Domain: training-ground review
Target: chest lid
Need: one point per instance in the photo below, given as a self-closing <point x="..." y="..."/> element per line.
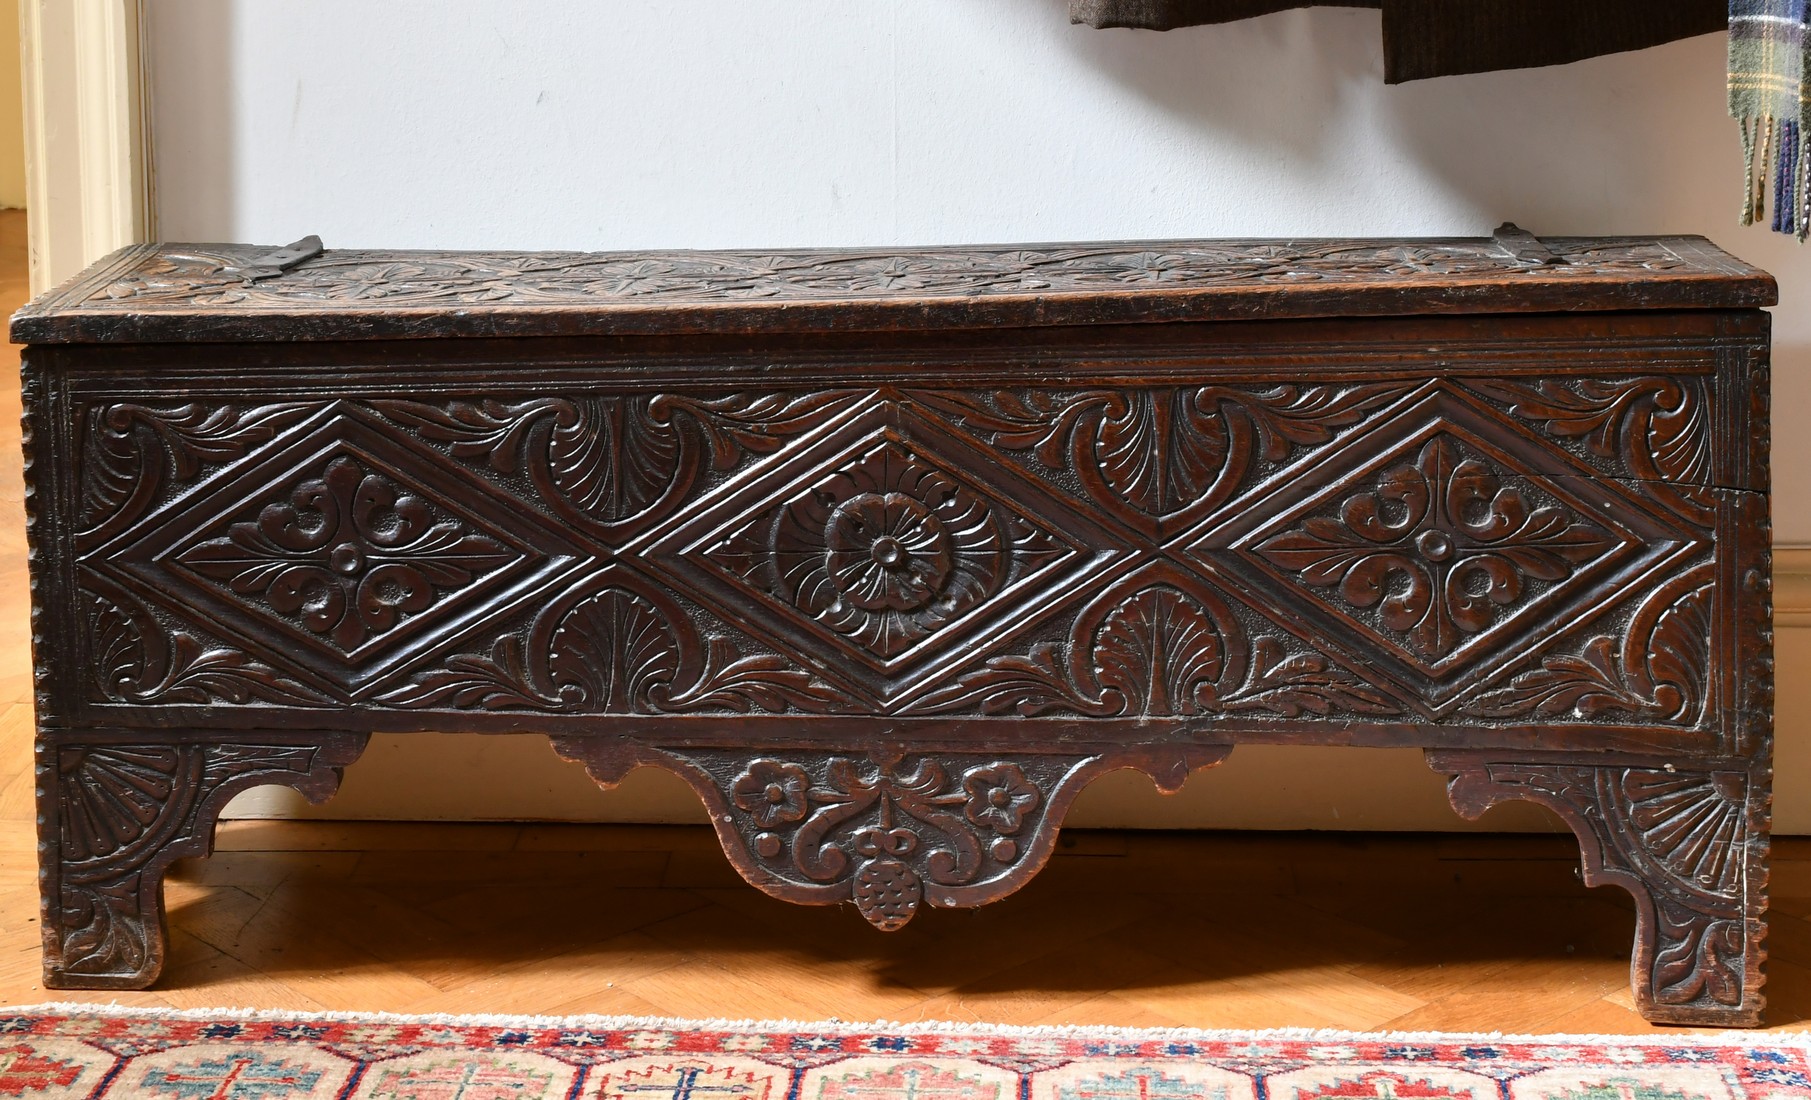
<point x="164" y="293"/>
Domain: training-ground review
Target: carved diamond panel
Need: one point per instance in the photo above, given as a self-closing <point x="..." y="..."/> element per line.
<point x="345" y="550"/>
<point x="1441" y="545"/>
<point x="865" y="552"/>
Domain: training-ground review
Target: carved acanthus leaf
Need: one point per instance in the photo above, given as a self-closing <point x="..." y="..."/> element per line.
<point x="616" y="651"/>
<point x="132" y="450"/>
<point x="1159" y="649"/>
<point x="617" y="461"/>
<point x="1657" y="670"/>
<point x="1163" y="451"/>
<point x="1657" y="428"/>
<point x="136" y="660"/>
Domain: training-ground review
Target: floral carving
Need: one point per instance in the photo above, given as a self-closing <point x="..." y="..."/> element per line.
<point x="136" y="660"/>
<point x="889" y="832"/>
<point x="1438" y="548"/>
<point x="1658" y="669"/>
<point x="1164" y="452"/>
<point x="772" y="793"/>
<point x="616" y="651"/>
<point x="999" y="797"/>
<point x="885" y="550"/>
<point x="1159" y="646"/>
<point x="348" y="555"/>
<point x="344" y="279"/>
<point x="618" y="463"/>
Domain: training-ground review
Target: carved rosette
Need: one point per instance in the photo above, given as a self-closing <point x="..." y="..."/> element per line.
<point x="886" y="550"/>
<point x="888" y="833"/>
<point x="120" y="814"/>
<point x="1690" y="843"/>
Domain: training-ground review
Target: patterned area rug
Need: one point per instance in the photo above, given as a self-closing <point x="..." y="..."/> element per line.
<point x="57" y="1051"/>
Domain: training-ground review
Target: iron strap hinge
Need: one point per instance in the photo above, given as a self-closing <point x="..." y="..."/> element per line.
<point x="272" y="264"/>
<point x="1524" y="247"/>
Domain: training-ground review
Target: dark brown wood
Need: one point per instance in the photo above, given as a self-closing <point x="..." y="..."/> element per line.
<point x="196" y="292"/>
<point x="888" y="582"/>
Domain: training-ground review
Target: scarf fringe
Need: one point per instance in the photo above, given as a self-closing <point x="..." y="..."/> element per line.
<point x="1776" y="148"/>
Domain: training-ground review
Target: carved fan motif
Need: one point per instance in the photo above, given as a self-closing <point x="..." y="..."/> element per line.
<point x="1694" y="825"/>
<point x="111" y="796"/>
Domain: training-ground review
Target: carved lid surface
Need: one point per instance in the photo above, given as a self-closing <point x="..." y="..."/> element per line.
<point x="181" y="293"/>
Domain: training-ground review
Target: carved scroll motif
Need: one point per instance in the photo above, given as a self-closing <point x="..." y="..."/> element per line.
<point x="617" y="464"/>
<point x="1161" y="644"/>
<point x="1656" y="430"/>
<point x="132" y="451"/>
<point x="1684" y="842"/>
<point x="126" y="812"/>
<point x="138" y="660"/>
<point x="1149" y="455"/>
<point x="1658" y="668"/>
<point x="348" y="555"/>
<point x="892" y="833"/>
<point x="1437" y="548"/>
<point x="618" y="649"/>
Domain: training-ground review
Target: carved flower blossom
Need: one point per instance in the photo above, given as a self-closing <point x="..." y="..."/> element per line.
<point x="886" y="550"/>
<point x="999" y="796"/>
<point x="772" y="792"/>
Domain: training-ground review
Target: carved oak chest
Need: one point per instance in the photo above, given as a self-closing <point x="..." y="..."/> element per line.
<point x="888" y="553"/>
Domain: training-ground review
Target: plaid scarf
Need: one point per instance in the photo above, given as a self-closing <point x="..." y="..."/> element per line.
<point x="1770" y="93"/>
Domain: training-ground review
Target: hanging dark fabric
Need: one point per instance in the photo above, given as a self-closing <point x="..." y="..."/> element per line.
<point x="1425" y="38"/>
<point x="1769" y="58"/>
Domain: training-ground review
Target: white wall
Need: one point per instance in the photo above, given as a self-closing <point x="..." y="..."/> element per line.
<point x="573" y="124"/>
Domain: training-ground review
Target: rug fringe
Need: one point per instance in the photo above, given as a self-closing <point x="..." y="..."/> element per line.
<point x="1801" y="1038"/>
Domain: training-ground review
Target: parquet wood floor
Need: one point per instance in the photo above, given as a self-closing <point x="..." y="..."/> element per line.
<point x="1159" y="929"/>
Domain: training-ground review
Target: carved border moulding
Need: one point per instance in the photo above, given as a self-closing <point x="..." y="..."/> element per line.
<point x="1689" y="841"/>
<point x="1446" y="540"/>
<point x="1161" y="643"/>
<point x="893" y="831"/>
<point x="1159" y="459"/>
<point x="615" y="464"/>
<point x="876" y="550"/>
<point x="342" y="551"/>
<point x="117" y="814"/>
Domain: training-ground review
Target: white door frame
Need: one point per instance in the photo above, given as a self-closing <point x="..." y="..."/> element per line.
<point x="89" y="186"/>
